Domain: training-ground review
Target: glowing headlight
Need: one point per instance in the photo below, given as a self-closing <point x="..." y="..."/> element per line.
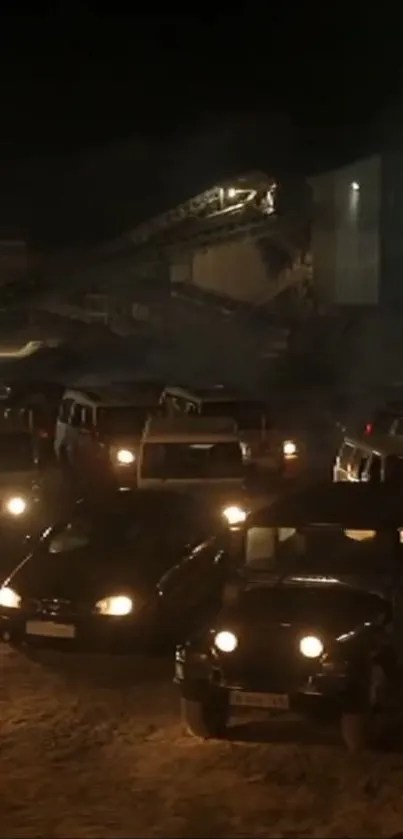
<point x="125" y="457"/>
<point x="16" y="506"/>
<point x="289" y="448"/>
<point x="225" y="641"/>
<point x="311" y="647"/>
<point x="117" y="606"/>
<point x="234" y="515"/>
<point x="9" y="598"/>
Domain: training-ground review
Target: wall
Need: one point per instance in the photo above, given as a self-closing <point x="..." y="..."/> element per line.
<point x="392" y="227"/>
<point x="346" y="234"/>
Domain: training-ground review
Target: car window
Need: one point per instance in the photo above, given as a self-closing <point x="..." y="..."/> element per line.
<point x="74" y="536"/>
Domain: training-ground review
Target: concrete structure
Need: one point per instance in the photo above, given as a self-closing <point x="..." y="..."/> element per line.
<point x="357" y="242"/>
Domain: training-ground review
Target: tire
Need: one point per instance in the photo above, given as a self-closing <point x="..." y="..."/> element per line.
<point x="356" y="726"/>
<point x="353" y="731"/>
<point x="206" y="719"/>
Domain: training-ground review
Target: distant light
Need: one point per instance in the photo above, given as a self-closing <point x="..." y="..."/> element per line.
<point x="231" y="192"/>
<point x="355" y="186"/>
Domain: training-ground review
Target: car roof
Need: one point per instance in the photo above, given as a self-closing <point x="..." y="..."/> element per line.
<point x="132" y="395"/>
<point x="128" y="502"/>
<point x="355" y="505"/>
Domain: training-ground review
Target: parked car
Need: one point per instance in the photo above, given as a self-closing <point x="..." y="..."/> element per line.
<point x="306" y="614"/>
<point x="99" y="577"/>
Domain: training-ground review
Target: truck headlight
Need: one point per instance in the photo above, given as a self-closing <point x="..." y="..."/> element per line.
<point x="125" y="457"/>
<point x="16" y="505"/>
<point x="311" y="646"/>
<point x="119" y="605"/>
<point x="234" y="515"/>
<point x="9" y="598"/>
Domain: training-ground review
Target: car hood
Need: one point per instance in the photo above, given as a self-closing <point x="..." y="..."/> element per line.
<point x="329" y="608"/>
<point x="88" y="574"/>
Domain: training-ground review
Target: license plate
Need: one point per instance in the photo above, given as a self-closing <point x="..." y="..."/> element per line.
<point x="260" y="700"/>
<point x="50" y="629"/>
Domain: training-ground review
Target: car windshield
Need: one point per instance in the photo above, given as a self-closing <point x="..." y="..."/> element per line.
<point x="123" y="419"/>
<point x="317" y="550"/>
<point x="247" y="414"/>
<point x="16" y="452"/>
<point x="134" y="530"/>
<point x="192" y="461"/>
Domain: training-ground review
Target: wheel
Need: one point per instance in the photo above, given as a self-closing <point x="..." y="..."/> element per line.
<point x="353" y="731"/>
<point x="207" y="718"/>
<point x="356" y="725"/>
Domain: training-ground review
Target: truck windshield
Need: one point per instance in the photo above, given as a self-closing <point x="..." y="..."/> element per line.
<point x="247" y="414"/>
<point x="192" y="461"/>
<point x="16" y="452"/>
<point x="127" y="419"/>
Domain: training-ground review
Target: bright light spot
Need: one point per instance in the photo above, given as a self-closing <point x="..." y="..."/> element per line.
<point x="355" y="186"/>
<point x="118" y="606"/>
<point x="125" y="457"/>
<point x="231" y="192"/>
<point x="289" y="448"/>
<point x="360" y="535"/>
<point x="311" y="647"/>
<point x="16" y="506"/>
<point x="234" y="515"/>
<point x="225" y="641"/>
<point x="9" y="598"/>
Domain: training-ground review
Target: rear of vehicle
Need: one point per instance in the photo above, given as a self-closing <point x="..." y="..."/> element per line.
<point x="198" y="455"/>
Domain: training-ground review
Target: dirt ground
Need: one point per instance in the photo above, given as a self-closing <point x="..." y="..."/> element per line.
<point x="92" y="746"/>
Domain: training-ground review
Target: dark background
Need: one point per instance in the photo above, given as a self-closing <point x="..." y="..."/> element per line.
<point x="181" y="101"/>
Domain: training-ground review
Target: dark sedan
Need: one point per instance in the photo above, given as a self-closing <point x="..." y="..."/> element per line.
<point x="305" y="621"/>
<point x="120" y="574"/>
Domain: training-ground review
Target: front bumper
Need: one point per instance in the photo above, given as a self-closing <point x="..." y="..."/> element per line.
<point x="308" y="694"/>
<point x="89" y="631"/>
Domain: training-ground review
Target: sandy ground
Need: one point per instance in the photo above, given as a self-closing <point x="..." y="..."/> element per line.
<point x="92" y="746"/>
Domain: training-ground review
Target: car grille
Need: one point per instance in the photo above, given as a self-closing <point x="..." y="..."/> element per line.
<point x="271" y="662"/>
<point x="55" y="608"/>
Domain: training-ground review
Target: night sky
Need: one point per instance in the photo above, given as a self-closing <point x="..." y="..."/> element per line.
<point x="106" y="120"/>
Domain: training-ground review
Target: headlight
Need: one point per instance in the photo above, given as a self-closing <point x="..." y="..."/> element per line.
<point x="9" y="598"/>
<point x="311" y="646"/>
<point x="234" y="515"/>
<point x="125" y="457"/>
<point x="117" y="606"/>
<point x="226" y="641"/>
<point x="16" y="506"/>
<point x="289" y="448"/>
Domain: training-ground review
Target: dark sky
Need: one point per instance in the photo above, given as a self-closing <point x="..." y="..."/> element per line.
<point x="178" y="100"/>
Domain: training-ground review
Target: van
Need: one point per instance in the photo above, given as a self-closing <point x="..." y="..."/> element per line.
<point x="183" y="453"/>
<point x="262" y="446"/>
<point x="375" y="458"/>
<point x="98" y="432"/>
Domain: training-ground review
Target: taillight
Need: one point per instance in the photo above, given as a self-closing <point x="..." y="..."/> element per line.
<point x="368" y="428"/>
